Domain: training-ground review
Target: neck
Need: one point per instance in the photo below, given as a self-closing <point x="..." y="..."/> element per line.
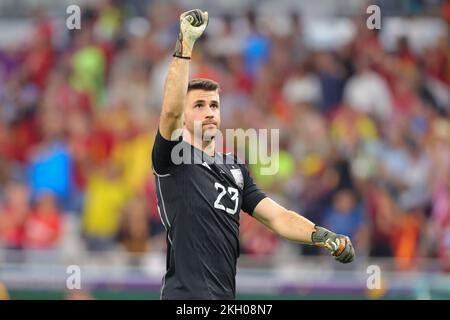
<point x="207" y="147"/>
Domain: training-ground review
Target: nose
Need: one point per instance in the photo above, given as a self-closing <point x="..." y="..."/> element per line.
<point x="209" y="113"/>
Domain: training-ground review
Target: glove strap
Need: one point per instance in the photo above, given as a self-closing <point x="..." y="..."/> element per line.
<point x="180" y="57"/>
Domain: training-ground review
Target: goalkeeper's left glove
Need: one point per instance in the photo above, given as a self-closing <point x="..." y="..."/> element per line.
<point x="339" y="245"/>
<point x="192" y="25"/>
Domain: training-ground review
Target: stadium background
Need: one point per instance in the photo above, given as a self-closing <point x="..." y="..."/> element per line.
<point x="364" y="119"/>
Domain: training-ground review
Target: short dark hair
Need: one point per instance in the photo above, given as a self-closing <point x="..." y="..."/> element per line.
<point x="203" y="84"/>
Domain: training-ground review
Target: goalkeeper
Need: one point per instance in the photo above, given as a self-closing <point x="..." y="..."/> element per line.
<point x="199" y="204"/>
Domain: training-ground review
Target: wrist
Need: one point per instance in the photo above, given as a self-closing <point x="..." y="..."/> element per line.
<point x="320" y="235"/>
<point x="183" y="49"/>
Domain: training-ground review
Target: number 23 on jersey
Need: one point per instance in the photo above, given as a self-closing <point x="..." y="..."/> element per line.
<point x="234" y="195"/>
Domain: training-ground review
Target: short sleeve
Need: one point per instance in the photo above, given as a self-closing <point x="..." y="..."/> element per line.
<point x="252" y="194"/>
<point x="161" y="154"/>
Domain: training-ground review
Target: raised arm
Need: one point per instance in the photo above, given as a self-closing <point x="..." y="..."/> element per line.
<point x="192" y="25"/>
<point x="292" y="226"/>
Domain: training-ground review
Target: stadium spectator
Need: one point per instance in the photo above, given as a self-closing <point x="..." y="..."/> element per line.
<point x="14" y="211"/>
<point x="347" y="215"/>
<point x="106" y="196"/>
<point x="43" y="226"/>
<point x="367" y="92"/>
<point x="135" y="224"/>
<point x="50" y="164"/>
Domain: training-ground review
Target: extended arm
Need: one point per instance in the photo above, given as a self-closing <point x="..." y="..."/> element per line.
<point x="293" y="226"/>
<point x="192" y="25"/>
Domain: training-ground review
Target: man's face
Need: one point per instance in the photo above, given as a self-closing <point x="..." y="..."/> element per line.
<point x="202" y="114"/>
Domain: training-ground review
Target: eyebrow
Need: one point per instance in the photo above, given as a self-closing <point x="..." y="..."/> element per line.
<point x="203" y="101"/>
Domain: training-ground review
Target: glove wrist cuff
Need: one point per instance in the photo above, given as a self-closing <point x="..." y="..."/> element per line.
<point x="320" y="235"/>
<point x="182" y="49"/>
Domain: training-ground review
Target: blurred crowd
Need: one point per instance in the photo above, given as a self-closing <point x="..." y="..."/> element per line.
<point x="364" y="132"/>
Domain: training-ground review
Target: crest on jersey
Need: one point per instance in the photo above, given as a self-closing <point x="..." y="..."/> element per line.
<point x="237" y="175"/>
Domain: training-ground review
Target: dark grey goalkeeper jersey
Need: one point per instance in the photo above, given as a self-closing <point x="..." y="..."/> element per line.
<point x="199" y="202"/>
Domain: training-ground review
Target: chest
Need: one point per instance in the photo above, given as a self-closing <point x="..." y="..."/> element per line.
<point x="217" y="188"/>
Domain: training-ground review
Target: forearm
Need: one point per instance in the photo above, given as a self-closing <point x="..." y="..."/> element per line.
<point x="175" y="88"/>
<point x="174" y="98"/>
<point x="292" y="226"/>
